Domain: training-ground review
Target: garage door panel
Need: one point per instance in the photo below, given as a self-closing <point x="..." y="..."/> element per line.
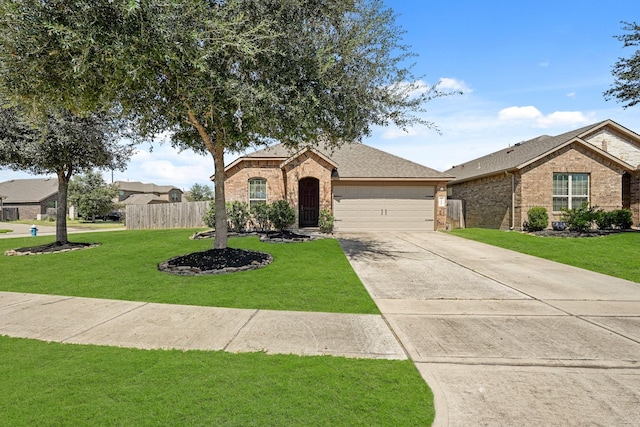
<point x="384" y="207"/>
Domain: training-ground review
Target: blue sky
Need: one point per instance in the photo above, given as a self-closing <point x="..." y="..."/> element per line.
<point x="526" y="69"/>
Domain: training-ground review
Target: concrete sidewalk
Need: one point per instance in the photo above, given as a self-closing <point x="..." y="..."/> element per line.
<point x="504" y="338"/>
<point x="165" y="326"/>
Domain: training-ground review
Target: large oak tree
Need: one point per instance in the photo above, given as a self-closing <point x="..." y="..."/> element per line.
<point x="219" y="75"/>
<point x="626" y="71"/>
<point x="63" y="144"/>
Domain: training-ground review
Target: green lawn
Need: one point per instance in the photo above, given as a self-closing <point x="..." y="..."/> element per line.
<point x="65" y="384"/>
<point x="615" y="255"/>
<point x="75" y="223"/>
<point x="51" y="384"/>
<point x="307" y="276"/>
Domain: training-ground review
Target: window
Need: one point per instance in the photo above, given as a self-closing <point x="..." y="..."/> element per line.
<point x="257" y="191"/>
<point x="175" y="196"/>
<point x="570" y="191"/>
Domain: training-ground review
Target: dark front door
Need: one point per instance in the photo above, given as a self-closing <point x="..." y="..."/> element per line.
<point x="308" y="202"/>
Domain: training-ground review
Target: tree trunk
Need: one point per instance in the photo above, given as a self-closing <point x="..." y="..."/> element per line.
<point x="61" y="211"/>
<point x="220" y="199"/>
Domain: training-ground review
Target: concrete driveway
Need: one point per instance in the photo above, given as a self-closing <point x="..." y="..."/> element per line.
<point x="503" y="338"/>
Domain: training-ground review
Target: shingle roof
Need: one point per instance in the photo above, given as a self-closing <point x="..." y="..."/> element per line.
<point x="142" y="187"/>
<point x="357" y="160"/>
<point x="516" y="155"/>
<point x="142" y="199"/>
<point x="28" y="190"/>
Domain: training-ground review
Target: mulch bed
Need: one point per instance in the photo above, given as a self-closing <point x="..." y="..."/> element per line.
<point x="51" y="248"/>
<point x="216" y="261"/>
<point x="574" y="234"/>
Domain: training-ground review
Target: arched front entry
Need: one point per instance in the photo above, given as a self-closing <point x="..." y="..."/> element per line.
<point x="308" y="202"/>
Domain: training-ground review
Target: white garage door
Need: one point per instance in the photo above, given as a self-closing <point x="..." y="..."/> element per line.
<point x="364" y="208"/>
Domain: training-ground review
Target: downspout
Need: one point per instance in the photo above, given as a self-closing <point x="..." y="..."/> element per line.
<point x="513" y="199"/>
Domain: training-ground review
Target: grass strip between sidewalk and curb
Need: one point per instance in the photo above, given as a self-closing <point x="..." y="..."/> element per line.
<point x="304" y="276"/>
<point x="66" y="384"/>
<point x="614" y="255"/>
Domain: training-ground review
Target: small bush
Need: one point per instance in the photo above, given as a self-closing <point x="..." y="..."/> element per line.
<point x="260" y="216"/>
<point x="210" y="217"/>
<point x="605" y="220"/>
<point x="281" y="215"/>
<point x="622" y="218"/>
<point x="580" y="219"/>
<point x="237" y="216"/>
<point x="325" y="221"/>
<point x="538" y="218"/>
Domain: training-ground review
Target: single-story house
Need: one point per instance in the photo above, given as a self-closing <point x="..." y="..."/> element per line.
<point x="365" y="188"/>
<point x="28" y="198"/>
<point x="597" y="164"/>
<point x="138" y="193"/>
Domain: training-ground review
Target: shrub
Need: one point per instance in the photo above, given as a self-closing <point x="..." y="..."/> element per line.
<point x="260" y="216"/>
<point x="605" y="220"/>
<point x="622" y="218"/>
<point x="210" y="217"/>
<point x="281" y="215"/>
<point x="538" y="218"/>
<point x="237" y="216"/>
<point x="582" y="218"/>
<point x="325" y="221"/>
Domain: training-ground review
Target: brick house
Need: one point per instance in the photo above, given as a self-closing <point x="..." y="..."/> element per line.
<point x="365" y="188"/>
<point x="28" y="198"/>
<point x="597" y="164"/>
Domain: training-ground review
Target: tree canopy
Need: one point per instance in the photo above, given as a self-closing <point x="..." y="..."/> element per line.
<point x="219" y="75"/>
<point x="91" y="195"/>
<point x="199" y="192"/>
<point x="626" y="71"/>
<point x="62" y="144"/>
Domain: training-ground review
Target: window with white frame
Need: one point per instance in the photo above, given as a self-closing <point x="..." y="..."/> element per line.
<point x="570" y="190"/>
<point x="257" y="191"/>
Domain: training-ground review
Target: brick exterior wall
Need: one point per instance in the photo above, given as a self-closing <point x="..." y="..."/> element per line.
<point x="488" y="200"/>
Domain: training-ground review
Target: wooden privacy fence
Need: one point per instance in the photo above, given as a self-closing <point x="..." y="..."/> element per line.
<point x="166" y="215"/>
<point x="455" y="214"/>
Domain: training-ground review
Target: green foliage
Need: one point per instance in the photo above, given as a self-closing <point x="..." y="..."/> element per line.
<point x="91" y="195"/>
<point x="325" y="221"/>
<point x="199" y="193"/>
<point x="237" y="216"/>
<point x="210" y="217"/>
<point x="260" y="216"/>
<point x="626" y="71"/>
<point x="620" y="218"/>
<point x="580" y="219"/>
<point x="281" y="214"/>
<point x="538" y="218"/>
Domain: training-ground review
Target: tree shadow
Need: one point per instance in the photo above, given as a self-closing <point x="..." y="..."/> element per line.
<point x="361" y="249"/>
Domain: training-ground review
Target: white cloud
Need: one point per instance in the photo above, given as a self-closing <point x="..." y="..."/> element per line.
<point x="544" y="64"/>
<point x="447" y="83"/>
<point x="536" y="118"/>
<point x="571" y="94"/>
<point x="520" y="113"/>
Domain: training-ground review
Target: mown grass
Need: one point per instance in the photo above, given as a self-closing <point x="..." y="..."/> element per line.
<point x="306" y="276"/>
<point x="49" y="384"/>
<point x="75" y="223"/>
<point x="615" y="255"/>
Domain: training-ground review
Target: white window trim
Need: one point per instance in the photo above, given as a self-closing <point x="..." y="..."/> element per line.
<point x="255" y="200"/>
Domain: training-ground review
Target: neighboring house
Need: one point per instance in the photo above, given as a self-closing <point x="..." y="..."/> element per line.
<point x="28" y="198"/>
<point x="597" y="164"/>
<point x="138" y="193"/>
<point x="364" y="188"/>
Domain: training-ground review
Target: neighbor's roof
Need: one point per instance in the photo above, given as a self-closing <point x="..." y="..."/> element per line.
<point x="141" y="187"/>
<point x="521" y="154"/>
<point x="142" y="199"/>
<point x="28" y="190"/>
<point x="357" y="160"/>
